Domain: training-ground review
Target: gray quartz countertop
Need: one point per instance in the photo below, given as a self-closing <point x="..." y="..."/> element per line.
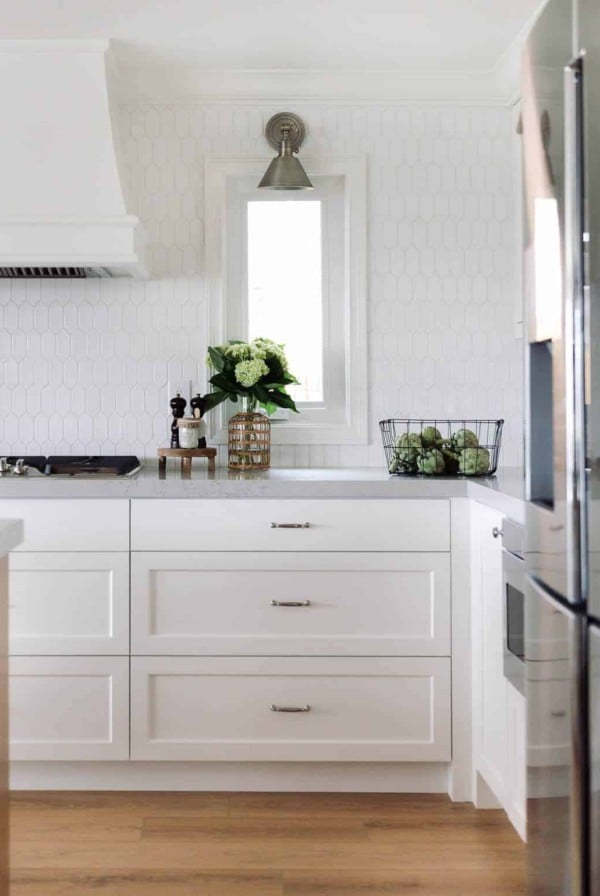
<point x="11" y="535"/>
<point x="504" y="490"/>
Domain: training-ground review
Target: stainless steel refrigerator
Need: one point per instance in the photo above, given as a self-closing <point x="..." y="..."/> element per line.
<point x="561" y="154"/>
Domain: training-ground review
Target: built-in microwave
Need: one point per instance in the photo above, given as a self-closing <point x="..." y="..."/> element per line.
<point x="513" y="570"/>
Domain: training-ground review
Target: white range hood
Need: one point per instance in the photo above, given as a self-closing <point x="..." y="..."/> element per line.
<point x="62" y="207"/>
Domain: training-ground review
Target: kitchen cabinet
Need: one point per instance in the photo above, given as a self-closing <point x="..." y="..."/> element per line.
<point x="69" y="630"/>
<point x="365" y="643"/>
<point x="69" y="603"/>
<point x="69" y="707"/>
<point x="71" y="524"/>
<point x="498" y="709"/>
<point x="302" y="604"/>
<point x="290" y="525"/>
<point x="326" y="709"/>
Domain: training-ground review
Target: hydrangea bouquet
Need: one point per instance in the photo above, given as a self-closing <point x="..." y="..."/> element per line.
<point x="257" y="371"/>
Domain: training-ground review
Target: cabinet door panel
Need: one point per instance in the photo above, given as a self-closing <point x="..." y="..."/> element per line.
<point x="359" y="604"/>
<point x="69" y="708"/>
<point x="347" y="709"/>
<point x="64" y="604"/>
<point x="71" y="524"/>
<point x="333" y="525"/>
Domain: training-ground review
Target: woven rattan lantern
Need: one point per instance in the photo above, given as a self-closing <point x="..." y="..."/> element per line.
<point x="249" y="441"/>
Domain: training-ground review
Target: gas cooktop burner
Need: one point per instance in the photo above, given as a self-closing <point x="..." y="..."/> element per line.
<point x="69" y="465"/>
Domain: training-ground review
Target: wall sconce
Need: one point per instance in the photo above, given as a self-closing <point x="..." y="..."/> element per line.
<point x="286" y="133"/>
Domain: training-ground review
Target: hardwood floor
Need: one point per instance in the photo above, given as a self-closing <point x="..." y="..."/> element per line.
<point x="244" y="844"/>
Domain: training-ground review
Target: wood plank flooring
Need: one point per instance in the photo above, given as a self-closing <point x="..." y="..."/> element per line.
<point x="259" y="844"/>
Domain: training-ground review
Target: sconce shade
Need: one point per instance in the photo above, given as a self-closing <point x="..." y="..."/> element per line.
<point x="285" y="173"/>
<point x="286" y="132"/>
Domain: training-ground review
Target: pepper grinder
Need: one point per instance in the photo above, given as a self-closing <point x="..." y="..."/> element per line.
<point x="197" y="405"/>
<point x="178" y="410"/>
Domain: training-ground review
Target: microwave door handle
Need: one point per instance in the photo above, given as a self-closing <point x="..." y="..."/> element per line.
<point x="574" y="341"/>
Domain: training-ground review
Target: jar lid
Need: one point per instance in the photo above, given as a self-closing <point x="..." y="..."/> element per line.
<point x="184" y="422"/>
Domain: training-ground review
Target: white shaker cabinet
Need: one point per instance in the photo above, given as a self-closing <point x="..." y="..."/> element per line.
<point x="341" y="606"/>
<point x="498" y="709"/>
<point x="69" y="708"/>
<point x="67" y="603"/>
<point x="309" y="709"/>
<point x="281" y="604"/>
<point x="290" y="525"/>
<point x="69" y="630"/>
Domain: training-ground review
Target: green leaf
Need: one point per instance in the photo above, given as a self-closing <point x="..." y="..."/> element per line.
<point x="222" y="381"/>
<point x="213" y="399"/>
<point x="283" y="400"/>
<point x="216" y="358"/>
<point x="261" y="392"/>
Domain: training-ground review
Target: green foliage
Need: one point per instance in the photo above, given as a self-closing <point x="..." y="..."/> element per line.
<point x="257" y="370"/>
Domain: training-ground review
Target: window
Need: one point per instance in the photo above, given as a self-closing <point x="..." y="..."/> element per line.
<point x="285" y="237"/>
<point x="282" y="266"/>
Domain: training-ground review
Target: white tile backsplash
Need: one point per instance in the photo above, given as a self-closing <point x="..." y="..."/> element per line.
<point x="84" y="365"/>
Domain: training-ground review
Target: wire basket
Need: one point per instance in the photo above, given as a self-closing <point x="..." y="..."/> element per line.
<point x="441" y="447"/>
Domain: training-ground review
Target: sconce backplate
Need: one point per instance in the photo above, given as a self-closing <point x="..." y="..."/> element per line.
<point x="277" y="124"/>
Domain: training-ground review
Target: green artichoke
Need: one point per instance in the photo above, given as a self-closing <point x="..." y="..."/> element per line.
<point x="408" y="447"/>
<point x="431" y="462"/>
<point x="431" y="437"/>
<point x="465" y="438"/>
<point x="474" y="461"/>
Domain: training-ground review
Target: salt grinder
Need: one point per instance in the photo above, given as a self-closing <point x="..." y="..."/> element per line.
<point x="178" y="410"/>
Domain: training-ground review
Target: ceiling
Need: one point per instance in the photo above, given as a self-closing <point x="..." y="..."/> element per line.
<point x="284" y="34"/>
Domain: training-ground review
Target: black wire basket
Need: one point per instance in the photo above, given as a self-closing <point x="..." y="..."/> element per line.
<point x="441" y="447"/>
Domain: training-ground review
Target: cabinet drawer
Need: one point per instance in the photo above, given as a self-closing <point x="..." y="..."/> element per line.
<point x="358" y="604"/>
<point x="71" y="524"/>
<point x="69" y="707"/>
<point x="387" y="710"/>
<point x="63" y="603"/>
<point x="333" y="525"/>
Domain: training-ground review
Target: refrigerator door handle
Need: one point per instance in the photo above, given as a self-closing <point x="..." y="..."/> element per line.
<point x="574" y="329"/>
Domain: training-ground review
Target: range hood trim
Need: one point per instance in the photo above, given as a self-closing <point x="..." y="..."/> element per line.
<point x="40" y="242"/>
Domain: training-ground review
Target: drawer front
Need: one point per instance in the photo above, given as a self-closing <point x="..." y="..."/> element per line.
<point x="243" y="604"/>
<point x="390" y="710"/>
<point x="64" y="604"/>
<point x="69" y="708"/>
<point x="333" y="525"/>
<point x="71" y="524"/>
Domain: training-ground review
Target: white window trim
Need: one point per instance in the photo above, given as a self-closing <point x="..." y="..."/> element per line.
<point x="353" y="430"/>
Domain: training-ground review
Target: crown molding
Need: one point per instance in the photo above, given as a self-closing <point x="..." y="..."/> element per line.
<point x="185" y="84"/>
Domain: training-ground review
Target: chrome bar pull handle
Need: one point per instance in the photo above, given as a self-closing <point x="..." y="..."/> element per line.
<point x="290" y="603"/>
<point x="289" y="525"/>
<point x="275" y="708"/>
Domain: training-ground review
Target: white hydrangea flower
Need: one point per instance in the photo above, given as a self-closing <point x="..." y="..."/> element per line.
<point x="248" y="373"/>
<point x="239" y="351"/>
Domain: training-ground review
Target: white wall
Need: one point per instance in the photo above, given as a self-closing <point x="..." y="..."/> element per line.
<point x="84" y="366"/>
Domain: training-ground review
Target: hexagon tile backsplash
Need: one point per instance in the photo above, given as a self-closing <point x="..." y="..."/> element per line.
<point x="85" y="365"/>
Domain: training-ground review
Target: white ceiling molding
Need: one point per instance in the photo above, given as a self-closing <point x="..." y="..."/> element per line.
<point x="507" y="70"/>
<point x="185" y="84"/>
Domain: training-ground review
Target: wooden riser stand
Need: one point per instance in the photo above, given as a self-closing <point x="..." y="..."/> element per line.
<point x="186" y="455"/>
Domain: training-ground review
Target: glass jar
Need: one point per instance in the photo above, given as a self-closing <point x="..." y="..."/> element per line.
<point x="191" y="430"/>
